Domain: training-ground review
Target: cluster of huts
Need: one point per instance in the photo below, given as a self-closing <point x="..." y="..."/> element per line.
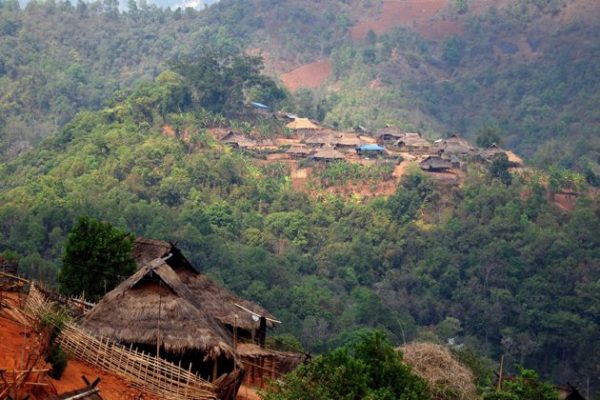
<point x="313" y="141"/>
<point x="171" y="310"/>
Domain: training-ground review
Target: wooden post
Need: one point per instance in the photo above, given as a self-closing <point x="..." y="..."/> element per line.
<point x="215" y="369"/>
<point x="501" y="372"/>
<point x="262" y="331"/>
<point x="235" y="332"/>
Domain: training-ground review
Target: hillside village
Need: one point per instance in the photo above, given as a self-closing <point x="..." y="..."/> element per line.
<point x="306" y="141"/>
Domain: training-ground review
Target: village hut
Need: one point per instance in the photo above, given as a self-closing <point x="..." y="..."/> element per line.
<point x="454" y="145"/>
<point x="435" y="164"/>
<point x="303" y="127"/>
<point x="345" y="141"/>
<point x="388" y="136"/>
<point x="154" y="311"/>
<point x="328" y="155"/>
<point x="266" y="145"/>
<point x="370" y="150"/>
<point x="298" y="151"/>
<point x="244" y="320"/>
<point x="237" y="141"/>
<point x="489" y="153"/>
<point x="414" y="143"/>
<point x="318" y="141"/>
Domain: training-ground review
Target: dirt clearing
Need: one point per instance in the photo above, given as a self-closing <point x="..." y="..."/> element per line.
<point x="396" y="13"/>
<point x="310" y="76"/>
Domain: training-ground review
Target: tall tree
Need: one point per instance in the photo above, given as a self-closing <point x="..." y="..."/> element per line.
<point x="97" y="257"/>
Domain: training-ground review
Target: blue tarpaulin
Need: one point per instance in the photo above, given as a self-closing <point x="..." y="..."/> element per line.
<point x="370" y="147"/>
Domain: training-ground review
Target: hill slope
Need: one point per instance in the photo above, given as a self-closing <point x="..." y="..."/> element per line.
<point x="497" y="267"/>
<point x="528" y="69"/>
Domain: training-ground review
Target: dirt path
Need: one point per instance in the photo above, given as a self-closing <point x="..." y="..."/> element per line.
<point x="399" y="170"/>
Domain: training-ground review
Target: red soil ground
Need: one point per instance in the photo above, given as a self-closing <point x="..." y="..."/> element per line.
<point x="111" y="387"/>
<point x="438" y="30"/>
<point x="310" y="76"/>
<point x="398" y="12"/>
<point x="17" y="341"/>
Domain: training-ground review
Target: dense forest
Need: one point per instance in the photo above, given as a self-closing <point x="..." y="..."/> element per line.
<point x="493" y="265"/>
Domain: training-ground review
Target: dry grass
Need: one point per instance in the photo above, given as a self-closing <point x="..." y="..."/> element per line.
<point x="447" y="379"/>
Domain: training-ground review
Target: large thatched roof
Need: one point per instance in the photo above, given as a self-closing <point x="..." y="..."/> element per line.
<point x="155" y="304"/>
<point x="213" y="299"/>
<point x="222" y="304"/>
<point x="302" y="123"/>
<point x="328" y="154"/>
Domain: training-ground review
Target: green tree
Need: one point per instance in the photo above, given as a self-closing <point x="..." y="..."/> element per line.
<point x="97" y="257"/>
<point x="222" y="81"/>
<point x="487" y="136"/>
<point x="367" y="369"/>
<point x="525" y="386"/>
<point x="499" y="168"/>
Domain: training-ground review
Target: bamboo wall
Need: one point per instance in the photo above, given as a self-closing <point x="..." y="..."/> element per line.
<point x="146" y="372"/>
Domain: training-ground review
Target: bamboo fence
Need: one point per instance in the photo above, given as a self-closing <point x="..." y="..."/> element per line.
<point x="147" y="372"/>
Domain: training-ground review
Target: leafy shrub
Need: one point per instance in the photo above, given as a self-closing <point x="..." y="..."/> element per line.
<point x="58" y="359"/>
<point x="367" y="369"/>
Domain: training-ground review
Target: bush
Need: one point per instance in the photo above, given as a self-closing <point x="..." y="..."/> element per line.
<point x="367" y="369"/>
<point x="284" y="342"/>
<point x="58" y="359"/>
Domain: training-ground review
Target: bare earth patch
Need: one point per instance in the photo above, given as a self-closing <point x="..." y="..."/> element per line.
<point x="309" y="76"/>
<point x="396" y="13"/>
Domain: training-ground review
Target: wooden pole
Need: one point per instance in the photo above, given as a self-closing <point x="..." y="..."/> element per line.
<point x="499" y="388"/>
<point x="235" y="332"/>
<point x="215" y="369"/>
<point x="158" y="322"/>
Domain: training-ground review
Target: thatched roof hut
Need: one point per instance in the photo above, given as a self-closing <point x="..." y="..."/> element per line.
<point x="413" y="142"/>
<point x="302" y="124"/>
<point x="454" y="145"/>
<point x="346" y="140"/>
<point x="298" y="150"/>
<point x="154" y="307"/>
<point x="328" y="155"/>
<point x="213" y="299"/>
<point x="237" y="140"/>
<point x="435" y="164"/>
<point x="322" y="138"/>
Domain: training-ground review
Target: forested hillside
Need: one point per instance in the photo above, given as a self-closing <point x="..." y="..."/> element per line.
<point x="497" y="267"/>
<point x="527" y="69"/>
<point x="113" y="115"/>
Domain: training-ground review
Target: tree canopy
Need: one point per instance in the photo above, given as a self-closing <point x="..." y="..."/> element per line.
<point x="369" y="368"/>
<point x="97" y="257"/>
